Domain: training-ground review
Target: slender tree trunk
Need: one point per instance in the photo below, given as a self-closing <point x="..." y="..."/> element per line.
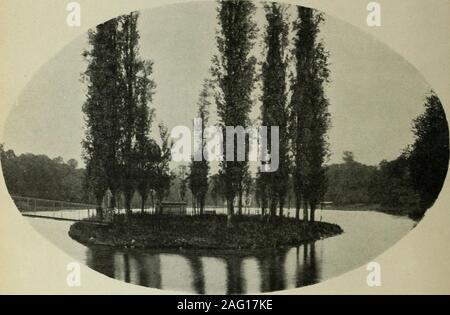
<point x="128" y="211"/>
<point x="113" y="203"/>
<point x="144" y="199"/>
<point x="202" y="205"/>
<point x="126" y="267"/>
<point x="281" y="207"/>
<point x="152" y="201"/>
<point x="305" y="211"/>
<point x="263" y="206"/>
<point x="99" y="209"/>
<point x="298" y="203"/>
<point x="313" y="212"/>
<point x="240" y="202"/>
<point x="273" y="207"/>
<point x="230" y="211"/>
<point x="158" y="210"/>
<point x="99" y="212"/>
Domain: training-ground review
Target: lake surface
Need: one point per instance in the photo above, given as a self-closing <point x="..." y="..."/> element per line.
<point x="367" y="234"/>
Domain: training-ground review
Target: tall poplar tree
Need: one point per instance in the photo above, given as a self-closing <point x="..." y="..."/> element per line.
<point x="117" y="147"/>
<point x="102" y="111"/>
<point x="309" y="112"/>
<point x="138" y="89"/>
<point x="274" y="110"/>
<point x="234" y="71"/>
<point x="161" y="185"/>
<point x="199" y="170"/>
<point x="146" y="149"/>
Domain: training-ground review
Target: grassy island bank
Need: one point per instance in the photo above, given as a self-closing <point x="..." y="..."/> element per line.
<point x="201" y="232"/>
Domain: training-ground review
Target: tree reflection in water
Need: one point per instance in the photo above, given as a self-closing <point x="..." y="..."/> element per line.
<point x="271" y="265"/>
<point x="198" y="274"/>
<point x="307" y="271"/>
<point x="235" y="281"/>
<point x="144" y="267"/>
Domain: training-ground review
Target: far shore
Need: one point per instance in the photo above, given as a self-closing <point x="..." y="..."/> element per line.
<point x="375" y="207"/>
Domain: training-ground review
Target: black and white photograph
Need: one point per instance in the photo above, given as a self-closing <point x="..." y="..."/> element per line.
<point x="226" y="147"/>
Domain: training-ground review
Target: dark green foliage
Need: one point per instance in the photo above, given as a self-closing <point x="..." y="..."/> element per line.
<point x="118" y="152"/>
<point x="102" y="110"/>
<point x="429" y="154"/>
<point x="138" y="90"/>
<point x="274" y="111"/>
<point x="182" y="176"/>
<point x="309" y="111"/>
<point x="217" y="193"/>
<point x="412" y="182"/>
<point x="39" y="176"/>
<point x="234" y="72"/>
<point x="164" y="177"/>
<point x="147" y="151"/>
<point x="407" y="185"/>
<point x="352" y="182"/>
<point x="396" y="192"/>
<point x="199" y="170"/>
<point x="149" y="154"/>
<point x="198" y="184"/>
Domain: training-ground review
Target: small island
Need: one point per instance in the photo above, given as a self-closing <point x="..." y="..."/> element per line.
<point x="201" y="232"/>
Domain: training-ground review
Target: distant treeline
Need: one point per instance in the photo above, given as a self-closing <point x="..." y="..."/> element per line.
<point x="42" y="177"/>
<point x="387" y="187"/>
<point x="409" y="184"/>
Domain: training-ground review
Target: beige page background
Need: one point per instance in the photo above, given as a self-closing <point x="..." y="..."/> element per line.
<point x="31" y="32"/>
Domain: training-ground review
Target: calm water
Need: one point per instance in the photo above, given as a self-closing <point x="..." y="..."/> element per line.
<point x="367" y="234"/>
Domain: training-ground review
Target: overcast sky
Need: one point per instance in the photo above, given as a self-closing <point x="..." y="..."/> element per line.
<point x="374" y="93"/>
